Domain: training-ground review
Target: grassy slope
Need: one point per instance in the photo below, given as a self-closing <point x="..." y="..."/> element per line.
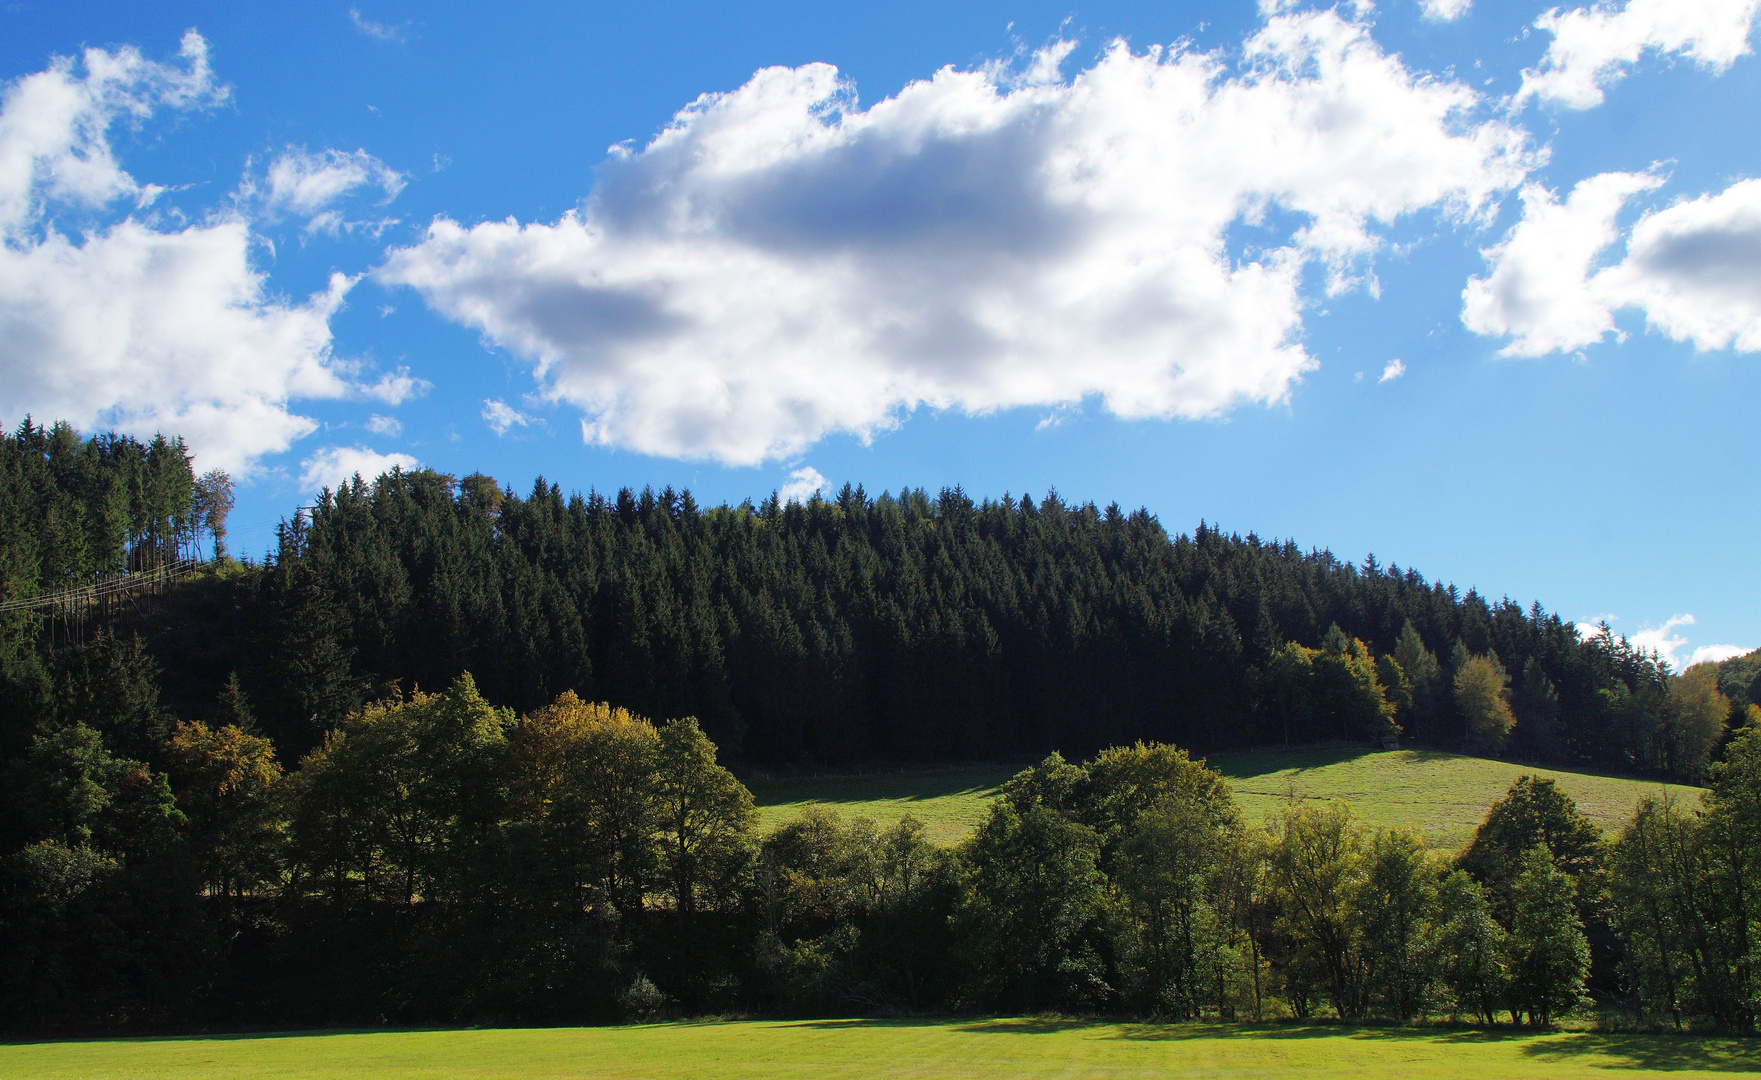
<point x="856" y="1048"/>
<point x="1446" y="795"/>
<point x="949" y="802"/>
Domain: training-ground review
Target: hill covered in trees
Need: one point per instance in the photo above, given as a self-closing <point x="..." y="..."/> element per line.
<point x="903" y="628"/>
<point x="238" y="806"/>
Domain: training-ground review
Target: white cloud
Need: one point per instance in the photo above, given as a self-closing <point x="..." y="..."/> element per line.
<point x="1716" y="653"/>
<point x="335" y="466"/>
<point x="385" y="425"/>
<point x="1540" y="290"/>
<point x="804" y="483"/>
<point x="500" y="416"/>
<point x="144" y="331"/>
<point x="52" y="127"/>
<point x="1668" y="644"/>
<point x="1693" y="268"/>
<point x="1395" y="369"/>
<point x="780" y="264"/>
<point x="379" y="31"/>
<point x="299" y="183"/>
<point x="1445" y="10"/>
<point x="131" y="324"/>
<point x="1663" y="640"/>
<point x="397" y="387"/>
<point x="1592" y="48"/>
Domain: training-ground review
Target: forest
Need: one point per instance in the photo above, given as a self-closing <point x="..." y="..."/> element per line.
<point x="402" y="769"/>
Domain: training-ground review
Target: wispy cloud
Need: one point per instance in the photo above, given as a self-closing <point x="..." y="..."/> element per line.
<point x="1444" y="10"/>
<point x="379" y="31"/>
<point x="397" y="387"/>
<point x="1395" y="369"/>
<point x="500" y="416"/>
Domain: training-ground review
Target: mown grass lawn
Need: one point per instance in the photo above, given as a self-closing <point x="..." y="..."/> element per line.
<point x="903" y="1049"/>
<point x="1445" y="795"/>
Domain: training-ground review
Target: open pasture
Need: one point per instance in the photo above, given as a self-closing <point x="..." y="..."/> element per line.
<point x="949" y="802"/>
<point x="918" y="1050"/>
<point x="1443" y="794"/>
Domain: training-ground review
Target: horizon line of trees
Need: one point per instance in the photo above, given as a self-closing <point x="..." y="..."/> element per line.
<point x="832" y="631"/>
<point x="437" y="859"/>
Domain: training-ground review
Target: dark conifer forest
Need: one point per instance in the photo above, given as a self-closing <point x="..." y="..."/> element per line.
<point x="450" y="753"/>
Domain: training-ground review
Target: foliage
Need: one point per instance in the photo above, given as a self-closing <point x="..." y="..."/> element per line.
<point x="1547" y="956"/>
<point x="1482" y="698"/>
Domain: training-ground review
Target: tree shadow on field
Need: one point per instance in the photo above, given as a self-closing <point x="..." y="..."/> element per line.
<point x="1182" y="1031"/>
<point x="1662" y="1053"/>
<point x="978" y="781"/>
<point x="220" y="1036"/>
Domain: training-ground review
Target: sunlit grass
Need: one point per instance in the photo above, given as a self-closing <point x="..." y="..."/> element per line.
<point x="888" y="1049"/>
<point x="949" y="802"/>
<point x="1445" y="795"/>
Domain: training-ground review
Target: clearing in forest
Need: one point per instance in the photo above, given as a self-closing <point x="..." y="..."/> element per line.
<point x="914" y="1049"/>
<point x="1445" y="795"/>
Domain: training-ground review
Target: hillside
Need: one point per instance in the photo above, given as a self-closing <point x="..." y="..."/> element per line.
<point x="1443" y="794"/>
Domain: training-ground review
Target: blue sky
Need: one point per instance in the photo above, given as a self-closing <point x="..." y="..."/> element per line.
<point x="1472" y="287"/>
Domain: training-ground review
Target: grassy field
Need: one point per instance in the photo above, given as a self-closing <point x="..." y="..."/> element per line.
<point x="827" y="1050"/>
<point x="949" y="802"/>
<point x="1446" y="795"/>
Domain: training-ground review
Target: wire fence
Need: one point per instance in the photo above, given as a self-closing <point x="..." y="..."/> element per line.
<point x="68" y="611"/>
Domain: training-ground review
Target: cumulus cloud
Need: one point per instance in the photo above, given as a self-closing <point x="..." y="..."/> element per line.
<point x="780" y="264"/>
<point x="1593" y="47"/>
<point x="1541" y="290"/>
<point x="1394" y="370"/>
<point x="1693" y="268"/>
<point x="500" y="416"/>
<point x="385" y="425"/>
<point x="335" y="466"/>
<point x="133" y="325"/>
<point x="804" y="483"/>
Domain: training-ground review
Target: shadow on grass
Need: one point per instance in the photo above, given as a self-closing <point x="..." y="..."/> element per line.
<point x="1662" y="1053"/>
<point x="1247" y="765"/>
<point x="980" y="781"/>
<point x="219" y="1036"/>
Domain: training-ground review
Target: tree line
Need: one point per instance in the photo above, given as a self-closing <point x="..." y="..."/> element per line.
<point x="908" y="629"/>
<point x="835" y="631"/>
<point x="249" y="806"/>
<point x="438" y="859"/>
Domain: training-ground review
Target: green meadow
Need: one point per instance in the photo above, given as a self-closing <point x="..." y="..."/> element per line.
<point x="949" y="802"/>
<point x="1445" y="795"/>
<point x="827" y="1050"/>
